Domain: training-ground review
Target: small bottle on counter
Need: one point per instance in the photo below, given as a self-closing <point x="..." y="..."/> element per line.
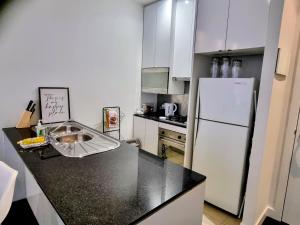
<point x="40" y="129"/>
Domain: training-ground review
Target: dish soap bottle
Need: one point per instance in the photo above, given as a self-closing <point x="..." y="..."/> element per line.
<point x="40" y="129"/>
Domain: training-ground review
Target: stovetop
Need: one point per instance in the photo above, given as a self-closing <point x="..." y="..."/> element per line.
<point x="175" y="120"/>
<point x="179" y="119"/>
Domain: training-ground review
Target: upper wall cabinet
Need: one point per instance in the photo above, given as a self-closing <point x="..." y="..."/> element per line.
<point x="231" y="25"/>
<point x="211" y="25"/>
<point x="183" y="39"/>
<point x="247" y="24"/>
<point x="157" y="34"/>
<point x="149" y="37"/>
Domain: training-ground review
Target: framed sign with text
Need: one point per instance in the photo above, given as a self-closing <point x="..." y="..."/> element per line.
<point x="54" y="104"/>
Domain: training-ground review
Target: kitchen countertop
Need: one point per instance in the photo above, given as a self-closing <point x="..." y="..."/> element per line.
<point x="121" y="186"/>
<point x="156" y="118"/>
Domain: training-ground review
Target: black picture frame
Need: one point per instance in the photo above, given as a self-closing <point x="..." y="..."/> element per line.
<point x="116" y="129"/>
<point x="68" y="102"/>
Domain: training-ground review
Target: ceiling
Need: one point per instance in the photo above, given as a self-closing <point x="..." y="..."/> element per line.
<point x="145" y="2"/>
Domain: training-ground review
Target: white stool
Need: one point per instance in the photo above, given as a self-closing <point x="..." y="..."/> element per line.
<point x="8" y="178"/>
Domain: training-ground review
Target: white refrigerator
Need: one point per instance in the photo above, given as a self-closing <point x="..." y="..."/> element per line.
<point x="222" y="130"/>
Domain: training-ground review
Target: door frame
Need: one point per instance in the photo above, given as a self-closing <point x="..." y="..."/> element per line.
<point x="285" y="156"/>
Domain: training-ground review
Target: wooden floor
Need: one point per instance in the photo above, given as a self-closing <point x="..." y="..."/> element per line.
<point x="215" y="216"/>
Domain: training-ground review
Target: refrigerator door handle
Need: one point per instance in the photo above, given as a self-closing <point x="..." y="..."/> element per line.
<point x="197" y="129"/>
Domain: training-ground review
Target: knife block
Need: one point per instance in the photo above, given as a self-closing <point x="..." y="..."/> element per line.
<point x="24" y="121"/>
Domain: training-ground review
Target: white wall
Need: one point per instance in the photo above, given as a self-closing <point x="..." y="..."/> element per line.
<point x="92" y="46"/>
<point x="290" y="110"/>
<point x="261" y="159"/>
<point x="263" y="183"/>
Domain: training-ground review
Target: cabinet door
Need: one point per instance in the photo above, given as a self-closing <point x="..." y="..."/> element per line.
<point x="163" y="33"/>
<point x="183" y="39"/>
<point x="149" y="35"/>
<point x="211" y="25"/>
<point x="139" y="127"/>
<point x="151" y="138"/>
<point x="247" y="24"/>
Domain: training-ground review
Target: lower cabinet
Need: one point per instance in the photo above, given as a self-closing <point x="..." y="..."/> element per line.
<point x="147" y="132"/>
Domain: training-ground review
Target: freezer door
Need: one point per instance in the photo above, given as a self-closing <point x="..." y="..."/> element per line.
<point x="227" y="100"/>
<point x="220" y="154"/>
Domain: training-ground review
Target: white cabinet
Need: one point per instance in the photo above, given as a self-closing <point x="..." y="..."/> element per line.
<point x="211" y="25"/>
<point x="247" y="24"/>
<point x="231" y="25"/>
<point x="163" y="33"/>
<point x="183" y="39"/>
<point x="147" y="132"/>
<point x="151" y="137"/>
<point x="149" y="36"/>
<point x="157" y="34"/>
<point x="139" y="129"/>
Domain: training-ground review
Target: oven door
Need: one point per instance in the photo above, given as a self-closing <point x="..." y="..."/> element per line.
<point x="166" y="143"/>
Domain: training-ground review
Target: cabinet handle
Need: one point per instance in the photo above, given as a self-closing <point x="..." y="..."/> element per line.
<point x="277" y="59"/>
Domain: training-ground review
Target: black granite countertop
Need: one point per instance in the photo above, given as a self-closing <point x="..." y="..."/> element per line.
<point x="121" y="186"/>
<point x="156" y="118"/>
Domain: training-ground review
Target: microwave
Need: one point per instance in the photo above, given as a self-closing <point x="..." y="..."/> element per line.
<point x="155" y="80"/>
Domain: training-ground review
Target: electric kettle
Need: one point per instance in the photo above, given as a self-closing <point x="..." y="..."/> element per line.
<point x="170" y="109"/>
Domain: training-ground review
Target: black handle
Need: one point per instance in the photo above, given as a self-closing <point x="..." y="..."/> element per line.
<point x="32" y="112"/>
<point x="29" y="105"/>
<point x="32" y="108"/>
<point x="277" y="58"/>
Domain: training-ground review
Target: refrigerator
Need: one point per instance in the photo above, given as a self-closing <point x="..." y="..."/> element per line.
<point x="221" y="140"/>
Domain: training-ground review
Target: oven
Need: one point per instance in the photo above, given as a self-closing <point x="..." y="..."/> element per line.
<point x="171" y="145"/>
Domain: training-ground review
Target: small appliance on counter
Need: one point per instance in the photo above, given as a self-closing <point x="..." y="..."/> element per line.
<point x="170" y="109"/>
<point x="147" y="108"/>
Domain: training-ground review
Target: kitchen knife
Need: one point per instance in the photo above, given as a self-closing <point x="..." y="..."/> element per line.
<point x="32" y="108"/>
<point x="29" y="105"/>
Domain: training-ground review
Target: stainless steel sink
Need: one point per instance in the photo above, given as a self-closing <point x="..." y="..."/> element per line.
<point x="65" y="129"/>
<point x="72" y="139"/>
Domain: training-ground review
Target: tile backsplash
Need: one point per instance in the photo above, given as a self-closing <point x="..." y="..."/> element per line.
<point x="182" y="100"/>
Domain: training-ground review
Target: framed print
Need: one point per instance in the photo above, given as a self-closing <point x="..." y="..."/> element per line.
<point x="111" y="121"/>
<point x="54" y="104"/>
